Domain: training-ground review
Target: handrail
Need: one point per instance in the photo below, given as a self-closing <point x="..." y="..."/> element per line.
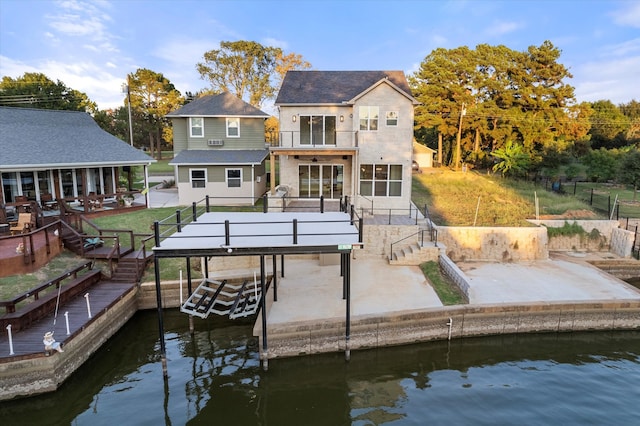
<point x="10" y="304"/>
<point x="421" y="233"/>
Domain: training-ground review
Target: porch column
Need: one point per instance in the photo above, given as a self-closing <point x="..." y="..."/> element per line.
<point x="272" y="169"/>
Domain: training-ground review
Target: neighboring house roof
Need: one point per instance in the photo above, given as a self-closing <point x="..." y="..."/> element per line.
<point x="42" y="138"/>
<point x="219" y="157"/>
<point x="336" y="87"/>
<point x="418" y="147"/>
<point x="222" y="105"/>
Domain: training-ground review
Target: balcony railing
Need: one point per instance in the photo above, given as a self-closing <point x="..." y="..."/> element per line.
<point x="337" y="139"/>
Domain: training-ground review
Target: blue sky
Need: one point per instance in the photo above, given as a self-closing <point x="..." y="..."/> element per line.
<point x="92" y="45"/>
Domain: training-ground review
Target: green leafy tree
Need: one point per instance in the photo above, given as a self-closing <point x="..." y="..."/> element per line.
<point x="36" y="90"/>
<point x="514" y="161"/>
<point x="601" y="164"/>
<point x="608" y="125"/>
<point x="630" y="170"/>
<point x="152" y="97"/>
<point x="507" y="96"/>
<point x="247" y="69"/>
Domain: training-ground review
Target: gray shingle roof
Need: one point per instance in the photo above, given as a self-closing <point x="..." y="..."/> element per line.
<point x="220" y="156"/>
<point x="40" y="138"/>
<point x="222" y="105"/>
<point x="333" y="87"/>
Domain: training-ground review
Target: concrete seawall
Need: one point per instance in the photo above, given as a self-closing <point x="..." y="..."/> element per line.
<point x="431" y="324"/>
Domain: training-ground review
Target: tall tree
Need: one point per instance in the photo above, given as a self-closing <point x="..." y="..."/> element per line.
<point x="247" y="69"/>
<point x="508" y="96"/>
<point x="36" y="90"/>
<point x="608" y="125"/>
<point x="153" y="96"/>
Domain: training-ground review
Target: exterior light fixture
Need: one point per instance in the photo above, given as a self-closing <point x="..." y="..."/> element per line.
<point x="341" y="118"/>
<point x="293" y="118"/>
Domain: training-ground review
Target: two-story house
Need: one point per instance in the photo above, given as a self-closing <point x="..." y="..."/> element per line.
<point x="346" y="133"/>
<point x="219" y="151"/>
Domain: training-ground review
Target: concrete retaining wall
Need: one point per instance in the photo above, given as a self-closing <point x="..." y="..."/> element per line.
<point x="598" y="238"/>
<point x="494" y="244"/>
<point x="622" y="242"/>
<point x="432" y="324"/>
<point x="42" y="374"/>
<point x="377" y="239"/>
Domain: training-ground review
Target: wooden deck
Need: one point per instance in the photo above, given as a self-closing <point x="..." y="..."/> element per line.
<point x="28" y="343"/>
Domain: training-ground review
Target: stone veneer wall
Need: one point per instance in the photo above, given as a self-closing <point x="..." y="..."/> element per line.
<point x="377" y="239"/>
<point x="622" y="242"/>
<point x="599" y="238"/>
<point x="494" y="244"/>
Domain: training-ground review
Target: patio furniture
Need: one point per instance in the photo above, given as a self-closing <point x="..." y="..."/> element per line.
<point x="22" y="225"/>
<point x="47" y="202"/>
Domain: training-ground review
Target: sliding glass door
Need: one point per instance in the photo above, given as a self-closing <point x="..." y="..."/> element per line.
<point x="321" y="179"/>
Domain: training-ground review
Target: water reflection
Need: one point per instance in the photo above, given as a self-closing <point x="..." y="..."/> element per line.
<point x="215" y="377"/>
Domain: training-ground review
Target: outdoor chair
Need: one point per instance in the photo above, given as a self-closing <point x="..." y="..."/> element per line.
<point x="22" y="225"/>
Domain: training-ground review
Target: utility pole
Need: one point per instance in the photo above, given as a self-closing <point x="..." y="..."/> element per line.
<point x="125" y="89"/>
<point x="463" y="111"/>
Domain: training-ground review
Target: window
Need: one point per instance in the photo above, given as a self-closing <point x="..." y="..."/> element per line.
<point x="392" y="118"/>
<point x="198" y="178"/>
<point x="369" y="118"/>
<point x="317" y="130"/>
<point x="234" y="178"/>
<point x="196" y="125"/>
<point x="381" y="180"/>
<point x="233" y="127"/>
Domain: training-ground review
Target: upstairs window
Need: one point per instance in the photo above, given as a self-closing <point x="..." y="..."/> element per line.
<point x="233" y="127"/>
<point x="392" y="118"/>
<point x="369" y="118"/>
<point x="196" y="124"/>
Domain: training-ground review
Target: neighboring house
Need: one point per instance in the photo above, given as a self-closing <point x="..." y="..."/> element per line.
<point x="346" y="133"/>
<point x="219" y="150"/>
<point x="50" y="154"/>
<point x="423" y="155"/>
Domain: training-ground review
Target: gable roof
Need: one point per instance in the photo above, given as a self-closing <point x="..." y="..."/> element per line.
<point x="335" y="87"/>
<point x="219" y="157"/>
<point x="223" y="105"/>
<point x="42" y="138"/>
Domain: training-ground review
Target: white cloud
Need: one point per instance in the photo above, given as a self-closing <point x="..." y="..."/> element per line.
<point x="273" y="42"/>
<point x="84" y="20"/>
<point x="501" y="28"/>
<point x="99" y="83"/>
<point x="628" y="16"/>
<point x="625" y="48"/>
<point x="614" y="80"/>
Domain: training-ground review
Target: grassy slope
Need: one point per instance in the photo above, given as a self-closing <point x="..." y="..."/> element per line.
<point x="453" y="199"/>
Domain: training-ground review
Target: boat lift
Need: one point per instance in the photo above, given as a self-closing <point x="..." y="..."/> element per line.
<point x="223" y="298"/>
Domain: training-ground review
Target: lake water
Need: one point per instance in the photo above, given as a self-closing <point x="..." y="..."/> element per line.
<point x="215" y="378"/>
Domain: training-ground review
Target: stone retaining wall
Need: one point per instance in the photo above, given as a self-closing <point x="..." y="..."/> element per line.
<point x="506" y="244"/>
<point x="433" y="324"/>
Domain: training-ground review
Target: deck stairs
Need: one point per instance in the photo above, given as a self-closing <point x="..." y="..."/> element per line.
<point x="223" y="298"/>
<point x="130" y="267"/>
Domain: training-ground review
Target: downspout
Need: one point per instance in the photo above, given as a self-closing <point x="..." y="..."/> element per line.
<point x="253" y="183"/>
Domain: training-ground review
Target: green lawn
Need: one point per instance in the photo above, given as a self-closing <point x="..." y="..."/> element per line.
<point x="447" y="292"/>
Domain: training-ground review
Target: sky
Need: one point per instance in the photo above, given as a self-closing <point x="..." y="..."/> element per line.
<point x="91" y="46"/>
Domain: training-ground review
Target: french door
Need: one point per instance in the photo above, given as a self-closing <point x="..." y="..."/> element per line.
<point x="321" y="179"/>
